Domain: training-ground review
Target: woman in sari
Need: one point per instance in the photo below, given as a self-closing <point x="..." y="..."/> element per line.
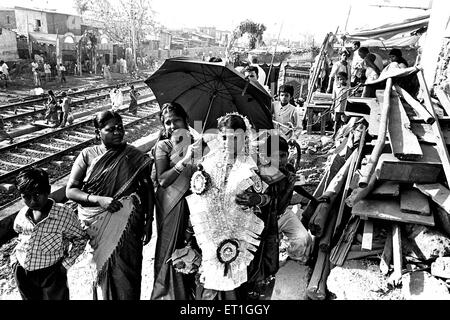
<point x="112" y="186"/>
<point x="173" y="163"/>
<point x="233" y="214"/>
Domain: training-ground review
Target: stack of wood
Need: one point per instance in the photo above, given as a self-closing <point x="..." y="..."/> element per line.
<point x="320" y="98"/>
<point x="390" y="173"/>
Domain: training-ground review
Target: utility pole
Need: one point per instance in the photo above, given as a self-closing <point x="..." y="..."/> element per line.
<point x="348" y="16"/>
<point x="30" y="44"/>
<point x="133" y="37"/>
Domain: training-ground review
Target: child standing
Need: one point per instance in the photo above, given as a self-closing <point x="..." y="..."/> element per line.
<point x="46" y="229"/>
<point x="285" y="113"/>
<point x="133" y="108"/>
<point x="339" y="98"/>
<point x="299" y="239"/>
<point x="65" y="105"/>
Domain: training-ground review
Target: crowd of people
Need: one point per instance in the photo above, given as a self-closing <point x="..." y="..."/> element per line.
<point x="355" y="77"/>
<point x="221" y="201"/>
<point x="44" y="71"/>
<point x="115" y="189"/>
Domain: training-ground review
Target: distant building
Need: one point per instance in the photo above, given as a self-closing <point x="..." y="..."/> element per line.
<point x="7" y="18"/>
<point x="222" y="37"/>
<point x="165" y="39"/>
<point x="8" y="45"/>
<point x="23" y="20"/>
<point x="210" y="31"/>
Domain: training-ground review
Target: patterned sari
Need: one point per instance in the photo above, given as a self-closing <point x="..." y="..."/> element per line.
<point x="172" y="216"/>
<point x="116" y="238"/>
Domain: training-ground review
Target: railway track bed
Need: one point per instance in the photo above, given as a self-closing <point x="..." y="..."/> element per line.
<point x="56" y="150"/>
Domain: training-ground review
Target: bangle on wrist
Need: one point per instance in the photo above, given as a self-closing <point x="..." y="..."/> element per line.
<point x="87" y="198"/>
<point x="261" y="199"/>
<point x="179" y="166"/>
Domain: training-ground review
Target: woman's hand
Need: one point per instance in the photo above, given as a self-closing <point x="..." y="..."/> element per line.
<point x="109" y="204"/>
<point x="191" y="151"/>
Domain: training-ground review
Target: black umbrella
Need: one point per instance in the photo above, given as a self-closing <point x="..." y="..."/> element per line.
<point x="208" y="90"/>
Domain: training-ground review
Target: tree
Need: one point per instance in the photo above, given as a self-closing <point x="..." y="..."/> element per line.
<point x="254" y="30"/>
<point x="124" y="21"/>
<point x="87" y="45"/>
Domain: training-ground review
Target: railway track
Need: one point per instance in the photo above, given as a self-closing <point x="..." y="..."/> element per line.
<point x="28" y="112"/>
<point x="56" y="150"/>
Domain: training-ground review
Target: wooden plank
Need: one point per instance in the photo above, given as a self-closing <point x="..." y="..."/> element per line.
<point x="397" y="253"/>
<point x="403" y="141"/>
<point x="440" y="142"/>
<point x="443" y="99"/>
<point x="426" y="170"/>
<point x="424" y="132"/>
<point x="437" y="192"/>
<point x="367" y="171"/>
<point x="388" y="210"/>
<point x="316" y="289"/>
<point x="367" y="235"/>
<point x="418" y="108"/>
<point x="444" y="220"/>
<point x="317" y="223"/>
<point x="386" y="257"/>
<point x="352" y="255"/>
<point x="413" y="201"/>
<point x="309" y="121"/>
<point x="342" y="247"/>
<point x="351" y="172"/>
<point x="387" y="189"/>
<point x="360" y="193"/>
<point x="374" y="118"/>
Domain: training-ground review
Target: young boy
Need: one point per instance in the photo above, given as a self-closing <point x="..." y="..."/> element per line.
<point x="285" y="113"/>
<point x="289" y="224"/>
<point x="65" y="106"/>
<point x="62" y="69"/>
<point x="339" y="96"/>
<point x="46" y="229"/>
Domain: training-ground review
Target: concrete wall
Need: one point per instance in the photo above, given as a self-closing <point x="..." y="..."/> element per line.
<point x="165" y="39"/>
<point x="8" y="45"/>
<point x="63" y="23"/>
<point x="21" y="21"/>
<point x="6" y="15"/>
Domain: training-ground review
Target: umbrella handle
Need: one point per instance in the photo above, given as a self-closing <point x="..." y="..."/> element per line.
<point x="245" y="88"/>
<point x="209" y="110"/>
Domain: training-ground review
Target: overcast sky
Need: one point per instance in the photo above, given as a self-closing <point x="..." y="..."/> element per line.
<point x="295" y="16"/>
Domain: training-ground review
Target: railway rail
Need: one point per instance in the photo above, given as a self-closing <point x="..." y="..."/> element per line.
<point x="55" y="150"/>
<point x="28" y="112"/>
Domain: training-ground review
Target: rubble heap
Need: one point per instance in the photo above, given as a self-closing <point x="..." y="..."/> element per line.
<point x="388" y="198"/>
